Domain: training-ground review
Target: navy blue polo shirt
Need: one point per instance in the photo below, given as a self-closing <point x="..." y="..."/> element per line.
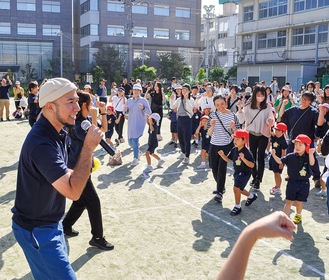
<point x="34" y="107"/>
<point x="4" y="92"/>
<point x="43" y="160"/>
<point x="153" y="140"/>
<point x="239" y="165"/>
<point x="279" y="144"/>
<point x="110" y="122"/>
<point x="298" y="167"/>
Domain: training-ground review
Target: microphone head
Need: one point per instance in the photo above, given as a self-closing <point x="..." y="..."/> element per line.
<point x="85" y="125"/>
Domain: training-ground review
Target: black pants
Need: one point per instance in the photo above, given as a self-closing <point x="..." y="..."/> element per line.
<point x="119" y="126"/>
<point x="315" y="168"/>
<point x="184" y="127"/>
<point x="258" y="146"/>
<point x="218" y="165"/>
<point x="90" y="200"/>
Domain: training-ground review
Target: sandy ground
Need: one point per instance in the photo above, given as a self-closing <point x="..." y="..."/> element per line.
<point x="167" y="226"/>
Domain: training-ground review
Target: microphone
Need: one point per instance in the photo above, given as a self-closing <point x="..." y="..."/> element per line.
<point x="85" y="126"/>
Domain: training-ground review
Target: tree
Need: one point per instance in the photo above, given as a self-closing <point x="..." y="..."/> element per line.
<point x="108" y="60"/>
<point x="55" y="67"/>
<point x="29" y="73"/>
<point x="171" y="65"/>
<point x="145" y="73"/>
<point x="231" y="73"/>
<point x="97" y="72"/>
<point x="187" y="72"/>
<point x="201" y="75"/>
<point x="216" y="74"/>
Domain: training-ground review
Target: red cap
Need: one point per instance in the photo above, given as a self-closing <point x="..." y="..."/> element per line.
<point x="241" y="133"/>
<point x="281" y="126"/>
<point x="204" y="118"/>
<point x="110" y="108"/>
<point x="304" y="139"/>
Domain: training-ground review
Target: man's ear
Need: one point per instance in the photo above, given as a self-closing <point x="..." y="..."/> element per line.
<point x="50" y="106"/>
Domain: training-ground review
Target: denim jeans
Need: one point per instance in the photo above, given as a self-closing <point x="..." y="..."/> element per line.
<point x="45" y="250"/>
<point x="133" y="143"/>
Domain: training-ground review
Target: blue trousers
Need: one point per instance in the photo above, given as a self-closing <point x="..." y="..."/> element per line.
<point x="45" y="251"/>
<point x="133" y="143"/>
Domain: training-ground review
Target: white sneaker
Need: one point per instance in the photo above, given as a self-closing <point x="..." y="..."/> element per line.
<point x="134" y="162"/>
<point x="160" y="162"/>
<point x="186" y="160"/>
<point x="122" y="140"/>
<point x="322" y="193"/>
<point x="148" y="169"/>
<point x="201" y="166"/>
<point x="181" y="156"/>
<point x="275" y="191"/>
<point x="159" y="137"/>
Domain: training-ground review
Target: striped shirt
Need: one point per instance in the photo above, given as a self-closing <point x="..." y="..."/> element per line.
<point x="220" y="137"/>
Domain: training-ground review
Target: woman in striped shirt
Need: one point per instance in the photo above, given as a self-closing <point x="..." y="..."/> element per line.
<point x="223" y="124"/>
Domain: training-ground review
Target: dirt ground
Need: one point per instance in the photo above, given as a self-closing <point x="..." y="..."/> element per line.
<point x="167" y="226"/>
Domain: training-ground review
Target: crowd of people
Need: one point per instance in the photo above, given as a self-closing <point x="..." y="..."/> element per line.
<point x="241" y="124"/>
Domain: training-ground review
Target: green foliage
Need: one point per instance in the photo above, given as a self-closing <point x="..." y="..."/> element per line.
<point x="231" y="73"/>
<point x="201" y="75"/>
<point x="29" y="73"/>
<point x="216" y="74"/>
<point x="97" y="73"/>
<point x="171" y="65"/>
<point x="55" y="67"/>
<point x="108" y="60"/>
<point x="187" y="72"/>
<point x="145" y="73"/>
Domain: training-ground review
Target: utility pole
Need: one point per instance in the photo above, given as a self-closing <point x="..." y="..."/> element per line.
<point x="208" y="10"/>
<point x="129" y="33"/>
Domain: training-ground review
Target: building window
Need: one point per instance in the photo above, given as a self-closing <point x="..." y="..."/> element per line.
<point x="182" y="35"/>
<point x="140" y="9"/>
<point x="222" y="35"/>
<point x="89" y="29"/>
<point x="115" y="30"/>
<point x="26" y="5"/>
<point x="50" y="30"/>
<point x="161" y="11"/>
<point x="140" y="32"/>
<point x="272" y="8"/>
<point x="160" y="33"/>
<point x="301" y="5"/>
<point x="247" y="42"/>
<point x="26" y="29"/>
<point x="138" y="54"/>
<point x="4" y="4"/>
<point x="51" y="6"/>
<point x="222" y="53"/>
<point x="323" y="33"/>
<point x="5" y="28"/>
<point x="248" y="13"/>
<point x="271" y="40"/>
<point x="303" y="36"/>
<point x="115" y="7"/>
<point x="183" y="13"/>
<point x="85" y="7"/>
<point x="160" y="53"/>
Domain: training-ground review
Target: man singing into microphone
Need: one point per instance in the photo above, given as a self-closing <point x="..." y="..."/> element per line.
<point x="89" y="199"/>
<point x="44" y="181"/>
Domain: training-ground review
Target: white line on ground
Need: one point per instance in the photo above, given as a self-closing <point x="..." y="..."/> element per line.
<point x="315" y="270"/>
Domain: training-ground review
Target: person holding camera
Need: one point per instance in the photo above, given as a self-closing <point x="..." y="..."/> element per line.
<point x="4" y="97"/>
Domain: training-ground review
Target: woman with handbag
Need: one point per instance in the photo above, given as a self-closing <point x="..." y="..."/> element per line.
<point x="258" y="119"/>
<point x="223" y="125"/>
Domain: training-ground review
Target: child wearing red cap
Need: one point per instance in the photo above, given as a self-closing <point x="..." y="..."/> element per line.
<point x="111" y="121"/>
<point x="243" y="162"/>
<point x="202" y="129"/>
<point x="298" y="165"/>
<point x="279" y="144"/>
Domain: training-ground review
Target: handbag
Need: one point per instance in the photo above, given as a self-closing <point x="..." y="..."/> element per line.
<point x="116" y="159"/>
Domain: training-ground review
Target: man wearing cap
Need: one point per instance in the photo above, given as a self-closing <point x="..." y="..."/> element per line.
<point x="4" y="97"/>
<point x="119" y="101"/>
<point x="137" y="108"/>
<point x="102" y="91"/>
<point x="302" y="120"/>
<point x="44" y="181"/>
